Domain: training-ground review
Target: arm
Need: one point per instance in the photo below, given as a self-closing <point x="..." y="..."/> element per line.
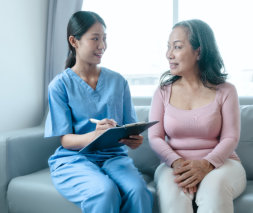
<point x="230" y="131"/>
<point x="77" y="142"/>
<point x="156" y="133"/>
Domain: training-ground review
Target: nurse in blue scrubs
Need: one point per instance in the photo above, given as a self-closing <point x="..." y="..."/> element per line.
<point x="103" y="181"/>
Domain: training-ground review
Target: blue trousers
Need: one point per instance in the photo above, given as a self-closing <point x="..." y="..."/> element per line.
<point x="109" y="186"/>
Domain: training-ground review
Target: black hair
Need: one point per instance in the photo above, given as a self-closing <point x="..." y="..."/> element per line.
<point x="210" y="62"/>
<point x="79" y="23"/>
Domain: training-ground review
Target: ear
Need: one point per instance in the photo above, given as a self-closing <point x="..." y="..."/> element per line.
<point x="73" y="41"/>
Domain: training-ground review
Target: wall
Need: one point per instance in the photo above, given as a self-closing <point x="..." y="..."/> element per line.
<point x="23" y="25"/>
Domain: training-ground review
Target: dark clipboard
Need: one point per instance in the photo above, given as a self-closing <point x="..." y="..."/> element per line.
<point x="110" y="137"/>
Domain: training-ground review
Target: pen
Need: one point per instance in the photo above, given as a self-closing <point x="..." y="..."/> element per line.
<point x="95" y="121"/>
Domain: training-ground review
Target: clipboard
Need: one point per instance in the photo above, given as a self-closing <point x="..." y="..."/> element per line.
<point x="110" y="137"/>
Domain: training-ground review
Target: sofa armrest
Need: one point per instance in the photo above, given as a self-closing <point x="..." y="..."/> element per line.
<point x="25" y="151"/>
<point x="22" y="152"/>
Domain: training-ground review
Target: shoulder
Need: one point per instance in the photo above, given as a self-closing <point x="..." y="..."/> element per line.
<point x="163" y="93"/>
<point x="163" y="90"/>
<point x="112" y="75"/>
<point x="60" y="81"/>
<point x="226" y="90"/>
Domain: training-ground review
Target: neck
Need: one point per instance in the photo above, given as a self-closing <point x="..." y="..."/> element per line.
<point x="86" y="71"/>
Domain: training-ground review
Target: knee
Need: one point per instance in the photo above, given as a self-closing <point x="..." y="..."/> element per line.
<point x="104" y="197"/>
<point x="218" y="192"/>
<point x="137" y="192"/>
<point x="107" y="189"/>
<point x="164" y="178"/>
<point x="137" y="188"/>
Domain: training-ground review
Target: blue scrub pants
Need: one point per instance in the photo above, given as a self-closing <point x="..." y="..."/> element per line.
<point x="109" y="186"/>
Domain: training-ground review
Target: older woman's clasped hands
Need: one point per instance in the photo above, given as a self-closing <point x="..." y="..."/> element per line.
<point x="189" y="173"/>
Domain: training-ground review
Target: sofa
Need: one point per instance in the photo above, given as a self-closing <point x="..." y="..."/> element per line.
<point x="26" y="187"/>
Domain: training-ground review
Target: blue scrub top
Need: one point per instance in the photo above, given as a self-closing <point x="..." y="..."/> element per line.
<point x="72" y="102"/>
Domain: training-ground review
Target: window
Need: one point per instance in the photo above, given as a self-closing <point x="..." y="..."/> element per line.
<point x="231" y="22"/>
<point x="138" y="32"/>
<point x="137" y="35"/>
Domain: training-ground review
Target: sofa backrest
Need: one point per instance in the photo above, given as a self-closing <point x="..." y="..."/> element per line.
<point x="245" y="146"/>
<point x="144" y="158"/>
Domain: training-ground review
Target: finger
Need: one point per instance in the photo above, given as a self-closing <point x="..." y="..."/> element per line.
<point x="113" y="122"/>
<point x="182" y="169"/>
<point x="131" y="144"/>
<point x="185" y="190"/>
<point x="103" y="126"/>
<point x="185" y="163"/>
<point x="192" y="190"/>
<point x="193" y="184"/>
<point x="107" y="121"/>
<point x="133" y="141"/>
<point x="136" y="137"/>
<point x="183" y="182"/>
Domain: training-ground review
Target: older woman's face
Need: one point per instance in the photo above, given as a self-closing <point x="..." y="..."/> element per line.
<point x="181" y="56"/>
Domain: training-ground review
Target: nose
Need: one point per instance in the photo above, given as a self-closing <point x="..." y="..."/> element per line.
<point x="169" y="54"/>
<point x="102" y="45"/>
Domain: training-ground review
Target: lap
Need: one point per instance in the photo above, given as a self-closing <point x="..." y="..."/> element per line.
<point x="80" y="177"/>
<point x="122" y="171"/>
<point x="230" y="176"/>
<point x="88" y="177"/>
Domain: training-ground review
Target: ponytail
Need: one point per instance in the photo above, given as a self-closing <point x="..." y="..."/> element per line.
<point x="71" y="60"/>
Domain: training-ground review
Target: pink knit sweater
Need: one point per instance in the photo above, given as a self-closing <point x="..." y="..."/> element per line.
<point x="210" y="132"/>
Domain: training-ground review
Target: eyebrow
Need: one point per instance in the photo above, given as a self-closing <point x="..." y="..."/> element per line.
<point x="175" y="42"/>
<point x="98" y="34"/>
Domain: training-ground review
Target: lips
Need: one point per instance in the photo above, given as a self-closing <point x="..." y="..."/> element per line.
<point x="173" y="65"/>
<point x="99" y="55"/>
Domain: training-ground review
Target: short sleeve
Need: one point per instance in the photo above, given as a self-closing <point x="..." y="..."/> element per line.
<point x="59" y="120"/>
<point x="129" y="114"/>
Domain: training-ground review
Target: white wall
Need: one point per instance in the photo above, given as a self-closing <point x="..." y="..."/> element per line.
<point x="22" y="56"/>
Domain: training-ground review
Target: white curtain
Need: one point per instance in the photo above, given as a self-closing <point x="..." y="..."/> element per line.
<point x="59" y="12"/>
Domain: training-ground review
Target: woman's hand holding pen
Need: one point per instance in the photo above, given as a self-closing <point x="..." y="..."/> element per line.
<point x="134" y="141"/>
<point x="103" y="125"/>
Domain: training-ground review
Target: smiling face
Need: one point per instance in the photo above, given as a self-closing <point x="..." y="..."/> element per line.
<point x="91" y="46"/>
<point x="181" y="56"/>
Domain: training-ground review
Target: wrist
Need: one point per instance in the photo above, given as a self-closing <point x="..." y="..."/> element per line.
<point x="177" y="162"/>
<point x="208" y="165"/>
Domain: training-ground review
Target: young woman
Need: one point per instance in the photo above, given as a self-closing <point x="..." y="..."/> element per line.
<point x="103" y="180"/>
<point x="199" y="114"/>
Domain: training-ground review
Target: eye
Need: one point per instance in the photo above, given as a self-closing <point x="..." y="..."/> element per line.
<point x="177" y="47"/>
<point x="95" y="38"/>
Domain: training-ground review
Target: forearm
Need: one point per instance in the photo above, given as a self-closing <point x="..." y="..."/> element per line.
<point x="163" y="150"/>
<point x="77" y="142"/>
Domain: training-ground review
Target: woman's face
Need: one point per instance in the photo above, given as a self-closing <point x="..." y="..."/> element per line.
<point x="181" y="56"/>
<point x="92" y="45"/>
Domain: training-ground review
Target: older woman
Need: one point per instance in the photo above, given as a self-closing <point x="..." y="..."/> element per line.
<point x="199" y="126"/>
